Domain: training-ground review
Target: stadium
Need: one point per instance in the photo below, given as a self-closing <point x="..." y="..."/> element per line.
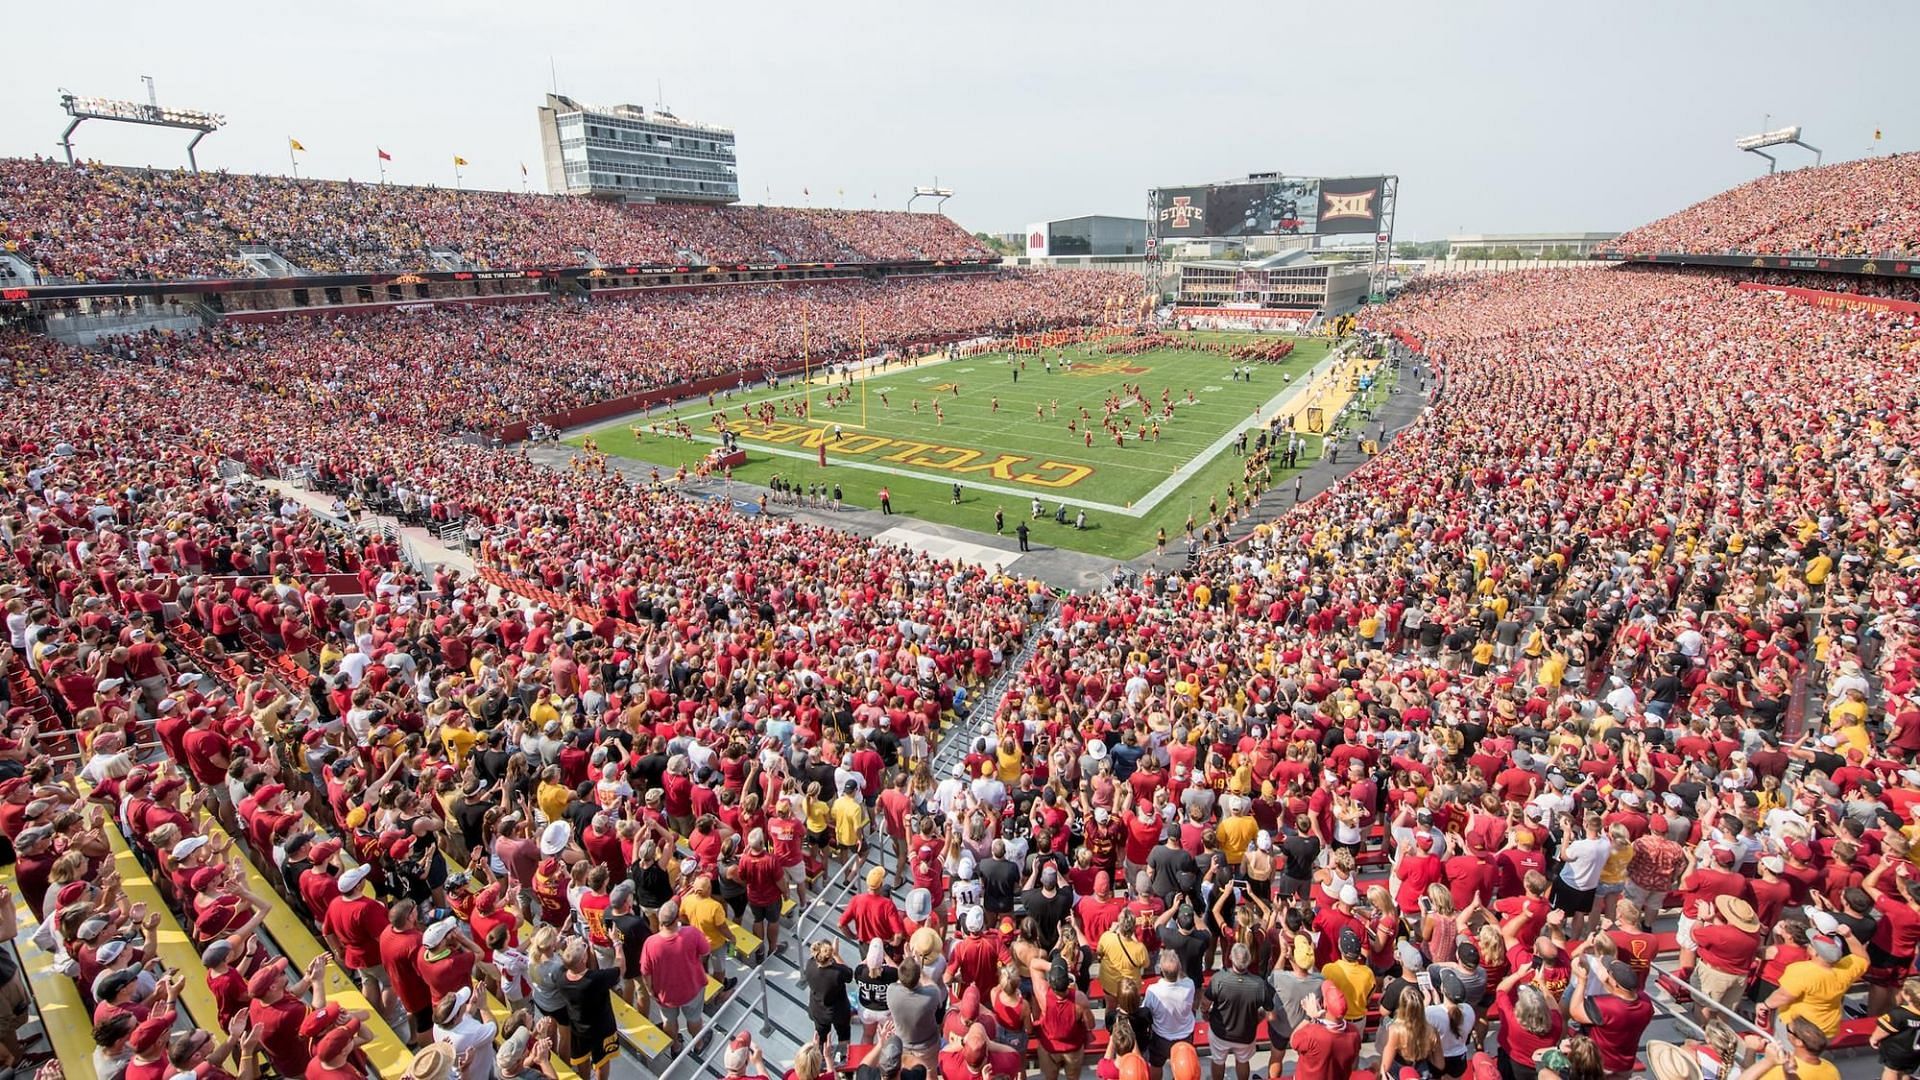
<point x="626" y="631"/>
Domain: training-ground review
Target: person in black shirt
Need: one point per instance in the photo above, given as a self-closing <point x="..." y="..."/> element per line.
<point x="1174" y="872"/>
<point x="588" y="993"/>
<point x="1048" y="903"/>
<point x="828" y="1006"/>
<point x="292" y="866"/>
<point x="1237" y="1003"/>
<point x="1188" y="939"/>
<point x="470" y="814"/>
<point x="491" y="760"/>
<point x="999" y="878"/>
<point x="630" y="928"/>
<point x="1298" y="853"/>
<point x="651" y="884"/>
<point x="651" y="768"/>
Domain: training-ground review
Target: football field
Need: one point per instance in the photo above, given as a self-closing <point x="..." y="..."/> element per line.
<point x="920" y="430"/>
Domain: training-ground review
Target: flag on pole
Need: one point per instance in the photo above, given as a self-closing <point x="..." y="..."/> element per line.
<point x="294" y="144"/>
<point x="1876" y="134"/>
<point x="384" y="156"/>
<point x="458" y="160"/>
<point x="523" y="168"/>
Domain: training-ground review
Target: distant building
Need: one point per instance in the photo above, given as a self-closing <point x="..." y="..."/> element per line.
<point x="625" y="152"/>
<point x="1563" y="245"/>
<point x="1092" y="235"/>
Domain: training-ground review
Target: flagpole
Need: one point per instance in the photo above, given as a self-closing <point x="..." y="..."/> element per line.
<point x="291" y="160"/>
<point x="383" y="164"/>
<point x="456" y="175"/>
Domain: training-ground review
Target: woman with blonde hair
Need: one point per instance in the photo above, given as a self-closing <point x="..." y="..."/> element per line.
<point x="1330" y="879"/>
<point x="1008" y="1003"/>
<point x="545" y="972"/>
<point x="1440" y="926"/>
<point x="1410" y="1042"/>
<point x="1576" y="1058"/>
<point x="809" y="1062"/>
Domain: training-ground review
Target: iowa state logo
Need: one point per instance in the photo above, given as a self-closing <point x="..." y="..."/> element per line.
<point x="1357" y="205"/>
<point x="1182" y="213"/>
<point x="1090" y="369"/>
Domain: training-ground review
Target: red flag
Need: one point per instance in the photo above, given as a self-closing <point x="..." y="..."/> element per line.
<point x="823" y="455"/>
<point x="384" y="156"/>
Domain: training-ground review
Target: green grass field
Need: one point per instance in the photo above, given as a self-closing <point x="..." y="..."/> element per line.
<point x="1006" y="457"/>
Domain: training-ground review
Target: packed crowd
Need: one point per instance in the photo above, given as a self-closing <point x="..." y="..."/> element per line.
<point x="1869" y="207"/>
<point x="135" y="600"/>
<point x="97" y="222"/>
<point x="478" y="368"/>
<point x="1589" y="690"/>
<point x="1620" y="632"/>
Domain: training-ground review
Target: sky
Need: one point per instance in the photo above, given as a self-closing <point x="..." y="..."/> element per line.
<point x="1497" y="117"/>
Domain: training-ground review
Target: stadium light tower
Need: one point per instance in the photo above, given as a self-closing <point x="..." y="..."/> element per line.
<point x="1787" y="136"/>
<point x="152" y="114"/>
<point x="935" y="192"/>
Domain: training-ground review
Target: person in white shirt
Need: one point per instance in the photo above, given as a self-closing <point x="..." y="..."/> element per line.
<point x="457" y="1022"/>
<point x="1170" y="1003"/>
<point x="1582" y="862"/>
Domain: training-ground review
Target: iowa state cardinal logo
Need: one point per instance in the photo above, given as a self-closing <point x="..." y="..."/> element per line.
<point x="1182" y="213"/>
<point x="1357" y="205"/>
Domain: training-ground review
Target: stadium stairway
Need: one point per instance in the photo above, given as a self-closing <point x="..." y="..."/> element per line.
<point x="56" y="999"/>
<point x="770" y="1001"/>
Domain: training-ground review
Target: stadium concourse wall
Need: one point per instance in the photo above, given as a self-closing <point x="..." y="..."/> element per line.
<point x="1837" y="301"/>
<point x="1898" y="268"/>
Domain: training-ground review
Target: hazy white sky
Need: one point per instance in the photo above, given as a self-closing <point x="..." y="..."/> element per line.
<point x="1498" y="117"/>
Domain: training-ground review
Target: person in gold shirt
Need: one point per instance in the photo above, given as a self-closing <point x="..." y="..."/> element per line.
<point x="1800" y="1059"/>
<point x="1236" y="830"/>
<point x="552" y="796"/>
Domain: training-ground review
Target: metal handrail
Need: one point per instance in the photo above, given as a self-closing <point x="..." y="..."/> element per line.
<point x="711" y="1045"/>
<point x="801" y="929"/>
<point x="1700" y="999"/>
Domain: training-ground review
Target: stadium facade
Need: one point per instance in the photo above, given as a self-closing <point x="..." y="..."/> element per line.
<point x="625" y="152"/>
<point x="1281" y="291"/>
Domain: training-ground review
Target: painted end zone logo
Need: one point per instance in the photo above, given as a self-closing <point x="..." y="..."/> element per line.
<point x="955" y="460"/>
<point x="1091" y="368"/>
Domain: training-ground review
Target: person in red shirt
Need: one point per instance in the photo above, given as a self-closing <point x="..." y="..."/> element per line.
<point x="1896" y="937"/>
<point x="1522" y="918"/>
<point x="873" y="914"/>
<point x="149" y="1045"/>
<point x="333" y="1052"/>
<point x="1098" y="911"/>
<point x="400" y="947"/>
<point x="980" y="1058"/>
<point x="1631" y="940"/>
<point x="759" y="872"/>
<point x="278" y="1012"/>
<point x="353" y="925"/>
<point x="1327" y="1046"/>
<point x="1726" y="941"/>
<point x="1615" y="1011"/>
<point x="448" y="958"/>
